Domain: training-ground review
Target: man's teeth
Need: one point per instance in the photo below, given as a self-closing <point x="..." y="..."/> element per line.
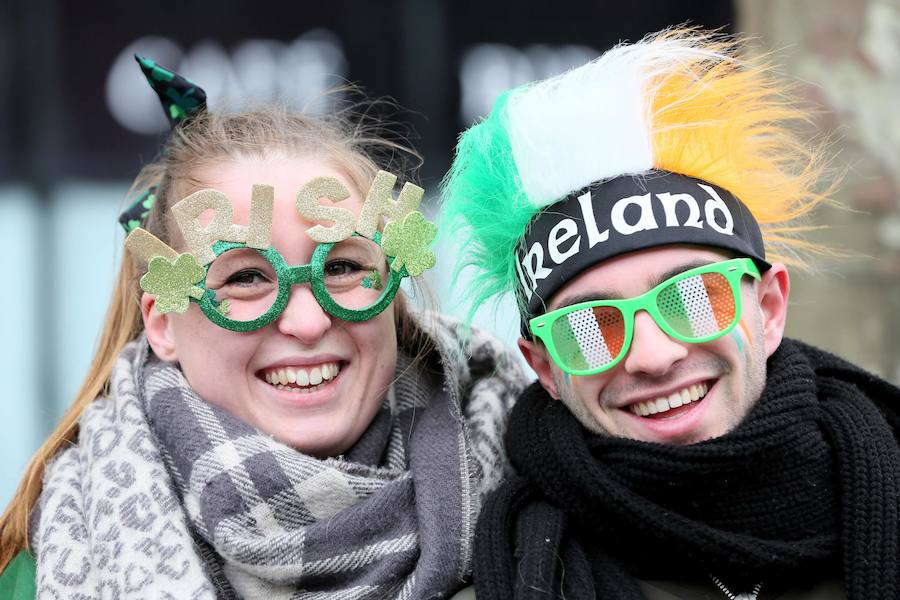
<point x="301" y="377"/>
<point x="660" y="405"/>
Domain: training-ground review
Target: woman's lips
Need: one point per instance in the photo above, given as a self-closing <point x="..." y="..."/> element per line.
<point x="297" y="378"/>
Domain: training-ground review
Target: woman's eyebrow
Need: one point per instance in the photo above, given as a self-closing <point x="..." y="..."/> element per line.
<point x="608" y="295"/>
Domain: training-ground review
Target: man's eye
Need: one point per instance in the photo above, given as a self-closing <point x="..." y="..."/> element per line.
<point x="341" y="268"/>
<point x="247" y="277"/>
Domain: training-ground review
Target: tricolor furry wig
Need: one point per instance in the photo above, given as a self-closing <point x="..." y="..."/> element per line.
<point x="680" y="100"/>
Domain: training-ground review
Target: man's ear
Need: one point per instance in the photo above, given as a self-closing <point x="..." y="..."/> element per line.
<point x="158" y="328"/>
<point x="536" y="356"/>
<point x="772" y="293"/>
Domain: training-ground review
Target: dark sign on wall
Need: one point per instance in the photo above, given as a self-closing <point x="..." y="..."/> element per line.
<point x="443" y="61"/>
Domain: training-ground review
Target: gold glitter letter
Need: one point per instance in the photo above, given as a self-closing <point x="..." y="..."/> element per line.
<point x="259" y="234"/>
<point x="143" y="245"/>
<point x="201" y="239"/>
<point x="309" y="207"/>
<point x="380" y="201"/>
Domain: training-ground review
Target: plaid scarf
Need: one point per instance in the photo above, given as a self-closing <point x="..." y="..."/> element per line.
<point x="166" y="496"/>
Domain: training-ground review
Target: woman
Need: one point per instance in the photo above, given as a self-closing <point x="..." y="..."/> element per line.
<point x="264" y="416"/>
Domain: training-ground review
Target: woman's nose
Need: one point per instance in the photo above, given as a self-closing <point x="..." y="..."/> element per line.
<point x="303" y="317"/>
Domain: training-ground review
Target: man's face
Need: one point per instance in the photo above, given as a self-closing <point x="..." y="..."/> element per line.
<point x="722" y="378"/>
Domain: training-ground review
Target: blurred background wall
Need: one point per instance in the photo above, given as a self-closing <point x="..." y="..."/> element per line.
<point x="845" y="57"/>
<point x="77" y="121"/>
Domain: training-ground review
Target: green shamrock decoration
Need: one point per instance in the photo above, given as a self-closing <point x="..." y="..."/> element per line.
<point x="407" y="241"/>
<point x="373" y="281"/>
<point x="224" y="307"/>
<point x="173" y="283"/>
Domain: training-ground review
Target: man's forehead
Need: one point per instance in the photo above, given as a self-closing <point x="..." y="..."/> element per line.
<point x="633" y="274"/>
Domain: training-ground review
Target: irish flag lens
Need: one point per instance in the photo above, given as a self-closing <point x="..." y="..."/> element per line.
<point x="695" y="308"/>
<point x="589" y="338"/>
<point x="698" y="306"/>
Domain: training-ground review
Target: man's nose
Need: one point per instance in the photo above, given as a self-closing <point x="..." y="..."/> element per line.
<point x="652" y="352"/>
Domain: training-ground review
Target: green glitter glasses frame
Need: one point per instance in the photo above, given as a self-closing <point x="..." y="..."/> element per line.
<point x="245" y="289"/>
<point x="699" y="305"/>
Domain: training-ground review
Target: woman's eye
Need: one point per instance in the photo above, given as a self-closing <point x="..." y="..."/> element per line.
<point x="340" y="268"/>
<point x="247" y="277"/>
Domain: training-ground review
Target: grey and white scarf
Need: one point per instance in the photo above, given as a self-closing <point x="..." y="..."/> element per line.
<point x="166" y="496"/>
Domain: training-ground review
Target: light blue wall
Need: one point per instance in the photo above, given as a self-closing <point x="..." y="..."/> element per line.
<point x="87" y="252"/>
<point x="81" y="220"/>
<point x="19" y="365"/>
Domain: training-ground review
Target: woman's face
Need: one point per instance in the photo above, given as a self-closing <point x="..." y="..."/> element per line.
<point x="354" y="361"/>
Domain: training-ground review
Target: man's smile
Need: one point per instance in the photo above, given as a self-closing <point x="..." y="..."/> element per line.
<point x="660" y="406"/>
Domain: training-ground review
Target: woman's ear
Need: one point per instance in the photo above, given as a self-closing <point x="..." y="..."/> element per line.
<point x="772" y="292"/>
<point x="159" y="329"/>
<point x="537" y="358"/>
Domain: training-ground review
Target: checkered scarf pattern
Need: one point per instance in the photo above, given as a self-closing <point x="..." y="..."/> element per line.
<point x="235" y="513"/>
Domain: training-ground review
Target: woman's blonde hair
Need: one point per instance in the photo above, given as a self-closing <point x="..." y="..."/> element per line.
<point x="358" y="147"/>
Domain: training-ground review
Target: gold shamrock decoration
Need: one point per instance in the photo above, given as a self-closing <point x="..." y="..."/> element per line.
<point x="407" y="242"/>
<point x="173" y="283"/>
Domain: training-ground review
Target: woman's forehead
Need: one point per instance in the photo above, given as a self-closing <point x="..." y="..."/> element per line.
<point x="286" y="174"/>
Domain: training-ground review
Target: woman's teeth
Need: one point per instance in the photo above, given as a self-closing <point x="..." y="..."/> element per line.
<point x="296" y="378"/>
<point x="664" y="404"/>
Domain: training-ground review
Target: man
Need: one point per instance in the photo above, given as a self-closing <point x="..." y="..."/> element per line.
<point x="641" y="208"/>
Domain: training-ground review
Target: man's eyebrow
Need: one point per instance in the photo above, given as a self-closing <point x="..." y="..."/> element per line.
<point x="702" y="262"/>
<point x="588" y="297"/>
<point x="608" y="295"/>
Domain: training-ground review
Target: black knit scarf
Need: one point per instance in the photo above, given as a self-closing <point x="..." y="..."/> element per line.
<point x="809" y="481"/>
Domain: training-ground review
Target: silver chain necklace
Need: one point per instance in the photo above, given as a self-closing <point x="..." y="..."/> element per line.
<point x="751" y="595"/>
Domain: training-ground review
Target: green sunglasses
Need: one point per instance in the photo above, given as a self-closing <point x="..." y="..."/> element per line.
<point x="245" y="289"/>
<point x="696" y="306"/>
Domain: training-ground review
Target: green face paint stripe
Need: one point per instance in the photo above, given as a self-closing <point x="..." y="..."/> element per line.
<point x="737" y="340"/>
